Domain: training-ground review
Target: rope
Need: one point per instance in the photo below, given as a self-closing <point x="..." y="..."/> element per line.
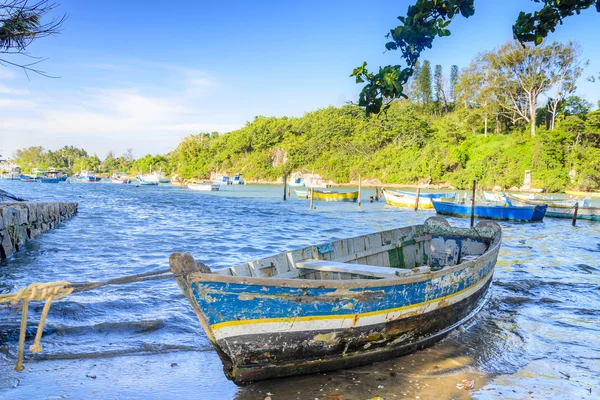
<point x="51" y="291"/>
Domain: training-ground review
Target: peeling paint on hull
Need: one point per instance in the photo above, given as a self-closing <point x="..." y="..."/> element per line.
<point x="267" y="328"/>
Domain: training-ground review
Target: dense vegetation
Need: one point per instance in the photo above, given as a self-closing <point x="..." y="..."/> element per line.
<point x="483" y="123"/>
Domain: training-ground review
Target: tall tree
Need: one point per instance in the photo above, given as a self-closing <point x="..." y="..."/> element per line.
<point x="424" y="82"/>
<point x="568" y="69"/>
<point x="453" y="81"/>
<point x="476" y="91"/>
<point x="522" y="73"/>
<point x="428" y="19"/>
<point x="440" y="92"/>
<point x="21" y="23"/>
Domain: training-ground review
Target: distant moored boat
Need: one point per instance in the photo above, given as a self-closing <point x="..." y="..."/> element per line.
<point x="409" y="199"/>
<point x="491" y="211"/>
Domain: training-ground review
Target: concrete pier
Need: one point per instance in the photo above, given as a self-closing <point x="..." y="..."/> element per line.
<point x="22" y="221"/>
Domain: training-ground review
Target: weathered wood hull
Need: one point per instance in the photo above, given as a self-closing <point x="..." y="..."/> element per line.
<point x="496" y="212"/>
<point x="265" y="328"/>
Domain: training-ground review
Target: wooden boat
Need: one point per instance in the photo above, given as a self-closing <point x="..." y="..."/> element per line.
<point x="204" y="187"/>
<point x="87" y="177"/>
<point x="582" y="194"/>
<point x="148" y="180"/>
<point x="492" y="211"/>
<point x="328" y="195"/>
<point x="50" y="177"/>
<point x="408" y="199"/>
<point x="562" y="209"/>
<point x="28" y="178"/>
<point x="342" y="304"/>
<point x="301" y="193"/>
<point x="120" y="179"/>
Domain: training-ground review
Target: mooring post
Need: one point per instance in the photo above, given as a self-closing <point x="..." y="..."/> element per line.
<point x="473" y="204"/>
<point x="359" y="190"/>
<point x="311" y="198"/>
<point x="284" y="187"/>
<point x="376" y="193"/>
<point x="575" y="214"/>
<point x="417" y="198"/>
<point x="289" y="192"/>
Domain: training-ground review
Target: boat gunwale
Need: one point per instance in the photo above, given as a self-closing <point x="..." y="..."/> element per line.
<point x="493" y="248"/>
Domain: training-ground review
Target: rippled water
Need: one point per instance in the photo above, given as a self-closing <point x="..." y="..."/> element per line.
<point x="538" y="337"/>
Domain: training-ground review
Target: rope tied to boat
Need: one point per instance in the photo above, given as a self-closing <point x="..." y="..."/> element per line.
<point x="52" y="291"/>
<point x="35" y="292"/>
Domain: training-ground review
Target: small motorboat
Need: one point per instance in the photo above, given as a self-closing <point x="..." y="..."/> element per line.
<point x="120" y="179"/>
<point x="342" y="304"/>
<point x="87" y="177"/>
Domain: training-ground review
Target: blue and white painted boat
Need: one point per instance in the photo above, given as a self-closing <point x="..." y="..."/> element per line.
<point x="298" y="182"/>
<point x="238" y="180"/>
<point x="28" y="178"/>
<point x="87" y="177"/>
<point x="342" y="304"/>
<point x="148" y="180"/>
<point x="492" y="211"/>
<point x="561" y="208"/>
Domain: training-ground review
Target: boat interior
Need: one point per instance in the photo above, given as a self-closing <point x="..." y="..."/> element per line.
<point x="384" y="255"/>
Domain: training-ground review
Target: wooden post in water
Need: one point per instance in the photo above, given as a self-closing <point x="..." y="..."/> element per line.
<point x="376" y="193"/>
<point x="359" y="190"/>
<point x="284" y="187"/>
<point x="417" y="198"/>
<point x="311" y="198"/>
<point x="575" y="214"/>
<point x="289" y="192"/>
<point x="473" y="204"/>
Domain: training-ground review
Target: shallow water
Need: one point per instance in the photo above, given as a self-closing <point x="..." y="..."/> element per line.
<point x="538" y="337"/>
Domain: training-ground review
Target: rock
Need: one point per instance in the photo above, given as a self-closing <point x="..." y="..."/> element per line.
<point x="22" y="221"/>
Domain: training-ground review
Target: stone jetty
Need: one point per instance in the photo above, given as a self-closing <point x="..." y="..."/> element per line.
<point x="22" y="221"/>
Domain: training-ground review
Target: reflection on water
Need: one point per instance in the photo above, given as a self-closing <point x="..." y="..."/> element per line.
<point x="538" y="337"/>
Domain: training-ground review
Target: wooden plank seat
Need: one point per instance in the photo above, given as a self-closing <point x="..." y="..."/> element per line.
<point x="357" y="269"/>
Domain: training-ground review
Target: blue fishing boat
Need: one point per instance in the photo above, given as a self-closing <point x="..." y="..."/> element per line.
<point x="342" y="304"/>
<point x="87" y="177"/>
<point x="50" y="177"/>
<point x="491" y="211"/>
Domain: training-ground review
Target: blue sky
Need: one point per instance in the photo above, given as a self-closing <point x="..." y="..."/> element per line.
<point x="144" y="74"/>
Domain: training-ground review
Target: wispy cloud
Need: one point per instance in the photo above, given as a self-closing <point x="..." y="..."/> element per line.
<point x="6" y="73"/>
<point x="18" y="92"/>
<point x="15" y="103"/>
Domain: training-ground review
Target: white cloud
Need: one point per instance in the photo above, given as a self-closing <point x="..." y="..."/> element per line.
<point x="7" y="90"/>
<point x="6" y="73"/>
<point x="12" y="103"/>
<point x="106" y="119"/>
